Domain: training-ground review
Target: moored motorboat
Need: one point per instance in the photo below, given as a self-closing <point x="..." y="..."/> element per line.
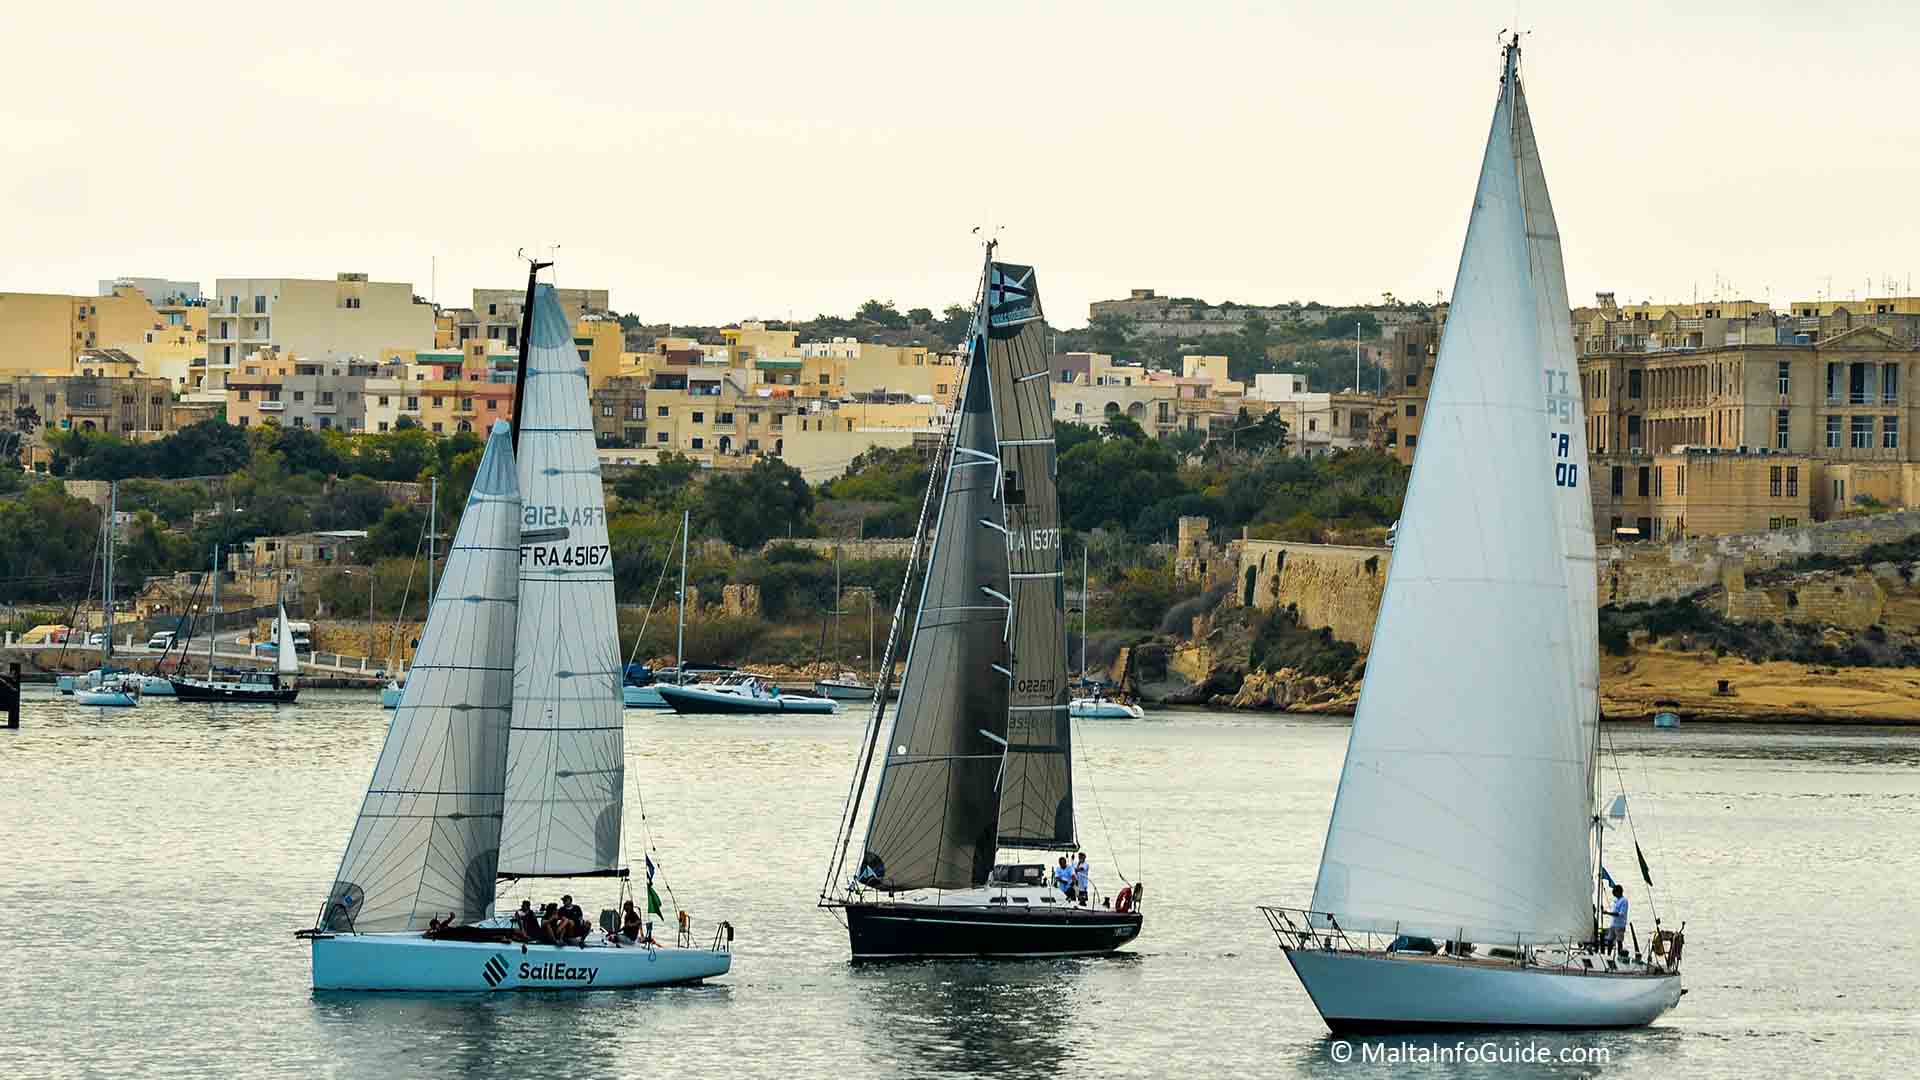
<point x="120" y="691"/>
<point x="739" y="694"/>
<point x="1102" y="707"/>
<point x="845" y="686"/>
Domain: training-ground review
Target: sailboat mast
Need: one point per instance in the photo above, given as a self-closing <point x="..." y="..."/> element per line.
<point x="1086" y="601"/>
<point x="534" y="266"/>
<point x="113" y="520"/>
<point x="433" y="507"/>
<point x="680" y="629"/>
<point x="213" y="612"/>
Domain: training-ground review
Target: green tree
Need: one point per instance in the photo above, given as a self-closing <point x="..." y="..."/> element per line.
<point x="883" y="313"/>
<point x="1111" y="334"/>
<point x="748" y="508"/>
<point x="953" y="324"/>
<point x="919" y="316"/>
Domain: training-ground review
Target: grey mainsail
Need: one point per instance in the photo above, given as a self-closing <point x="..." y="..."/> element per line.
<point x="1036" y="792"/>
<point x="565" y="765"/>
<point x="428" y="836"/>
<point x="978" y="752"/>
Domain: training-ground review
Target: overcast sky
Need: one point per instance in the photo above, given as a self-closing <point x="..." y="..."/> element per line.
<point x="709" y="162"/>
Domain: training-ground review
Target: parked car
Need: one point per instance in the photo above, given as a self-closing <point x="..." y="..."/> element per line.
<point x="162" y="640"/>
<point x="96" y="639"/>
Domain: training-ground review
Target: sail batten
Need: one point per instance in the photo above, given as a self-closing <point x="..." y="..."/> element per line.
<point x="427" y="839"/>
<point x="565" y="769"/>
<point x="1461" y="810"/>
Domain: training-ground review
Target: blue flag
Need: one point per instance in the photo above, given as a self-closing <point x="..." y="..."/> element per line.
<point x="1604" y="876"/>
<point x="649" y="860"/>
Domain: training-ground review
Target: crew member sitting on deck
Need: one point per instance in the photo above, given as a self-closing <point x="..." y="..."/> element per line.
<point x="576" y="922"/>
<point x="630" y="928"/>
<point x="525" y="923"/>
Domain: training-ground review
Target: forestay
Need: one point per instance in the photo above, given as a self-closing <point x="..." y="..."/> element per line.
<point x="565" y="766"/>
<point x="1036" y="790"/>
<point x="1462" y="809"/>
<point x="428" y="836"/>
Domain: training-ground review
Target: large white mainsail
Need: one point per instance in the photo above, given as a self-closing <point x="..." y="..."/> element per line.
<point x="428" y="836"/>
<point x="1463" y="806"/>
<point x="565" y="764"/>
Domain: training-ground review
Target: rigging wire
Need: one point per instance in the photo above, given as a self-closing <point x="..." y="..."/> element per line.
<point x="1619" y="774"/>
<point x="666" y="563"/>
<point x="1080" y="738"/>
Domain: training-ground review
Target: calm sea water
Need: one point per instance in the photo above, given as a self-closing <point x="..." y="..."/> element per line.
<point x="154" y="864"/>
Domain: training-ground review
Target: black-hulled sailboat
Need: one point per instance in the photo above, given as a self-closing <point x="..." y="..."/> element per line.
<point x="978" y="757"/>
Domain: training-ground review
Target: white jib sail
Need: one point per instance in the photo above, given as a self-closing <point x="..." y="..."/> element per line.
<point x="564" y="760"/>
<point x="1462" y="809"/>
<point x="428" y="836"/>
<point x="287" y="661"/>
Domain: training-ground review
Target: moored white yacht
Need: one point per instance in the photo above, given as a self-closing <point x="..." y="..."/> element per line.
<point x="1457" y="884"/>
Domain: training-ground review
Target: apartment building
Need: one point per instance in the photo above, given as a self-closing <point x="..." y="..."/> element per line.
<point x="300" y="392"/>
<point x="823" y="443"/>
<point x="138" y="408"/>
<point x="842" y="368"/>
<point x="620" y="411"/>
<point x="47" y="332"/>
<point x="348" y="317"/>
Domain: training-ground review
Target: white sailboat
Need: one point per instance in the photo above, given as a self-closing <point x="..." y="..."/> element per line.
<point x="505" y="759"/>
<point x="108" y="686"/>
<point x="1095" y="705"/>
<point x="1457" y="883"/>
<point x="391" y="693"/>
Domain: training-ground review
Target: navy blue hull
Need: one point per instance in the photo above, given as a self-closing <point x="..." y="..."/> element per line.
<point x="887" y="931"/>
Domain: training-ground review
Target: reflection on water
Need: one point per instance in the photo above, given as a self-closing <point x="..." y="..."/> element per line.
<point x="222" y="826"/>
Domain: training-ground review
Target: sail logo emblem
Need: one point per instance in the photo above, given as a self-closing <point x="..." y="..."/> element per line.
<point x="495" y="970"/>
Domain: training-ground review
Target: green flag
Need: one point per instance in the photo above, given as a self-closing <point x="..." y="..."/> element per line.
<point x="653" y="901"/>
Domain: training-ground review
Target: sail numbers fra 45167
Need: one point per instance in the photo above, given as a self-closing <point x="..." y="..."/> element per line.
<point x="588" y="555"/>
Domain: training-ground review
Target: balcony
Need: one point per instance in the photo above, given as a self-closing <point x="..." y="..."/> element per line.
<point x="273" y="406"/>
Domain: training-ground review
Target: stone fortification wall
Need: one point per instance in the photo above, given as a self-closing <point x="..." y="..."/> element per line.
<point x="849" y="549"/>
<point x="1646" y="573"/>
<point x="1331" y="586"/>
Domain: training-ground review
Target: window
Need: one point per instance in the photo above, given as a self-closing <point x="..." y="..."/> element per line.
<point x="326" y="421"/>
<point x="1781" y="422"/>
<point x="1633" y="434"/>
<point x="299" y="421"/>
<point x="1633" y="383"/>
<point x="1658" y="472"/>
<point x="1680" y="480"/>
<point x="353" y="301"/>
<point x="383" y="425"/>
<point x="1786" y="378"/>
<point x="606" y="411"/>
<point x="699" y="417"/>
<point x="636" y="412"/>
<point x="493" y="404"/>
<point x="1412" y="441"/>
<point x="1619" y="481"/>
<point x="1077" y="408"/>
<point x="1890" y="432"/>
<point x="1839" y="491"/>
<point x="259" y="305"/>
<point x="466" y="404"/>
<point x="1790" y="523"/>
<point x="326" y="397"/>
<point x="660" y="437"/>
<point x="661" y="412"/>
<point x="826" y="378"/>
<point x="383" y="399"/>
<point x="724" y="418"/>
<point x="246" y="395"/>
<point x="1773" y="481"/>
<point x="1857" y="387"/>
<point x="1890" y="383"/>
<point x="753" y="445"/>
<point x="1411" y="410"/>
<point x="438" y="427"/>
<point x="1793" y="481"/>
<point x="439" y="402"/>
<point x="1646" y="480"/>
<point x="413" y="404"/>
<point x="1862" y="433"/>
<point x="1833" y="384"/>
<point x="299" y="395"/>
<point x="1833" y="433"/>
<point x="699" y="443"/>
<point x="1773" y="523"/>
<point x="1413" y="378"/>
